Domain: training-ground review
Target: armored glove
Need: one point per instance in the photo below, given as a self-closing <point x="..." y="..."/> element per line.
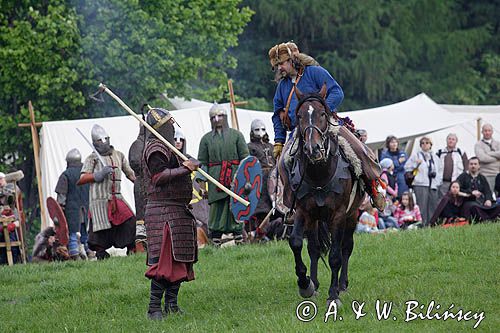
<point x="100" y="175"/>
<point x="278" y="148"/>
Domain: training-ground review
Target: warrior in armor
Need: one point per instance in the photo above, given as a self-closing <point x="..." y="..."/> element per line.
<point x="8" y="209"/>
<point x="198" y="203"/>
<point x="136" y="163"/>
<point x="309" y="79"/>
<point x="74" y="200"/>
<point x="260" y="147"/>
<point x="220" y="153"/>
<point x="112" y="222"/>
<point x="170" y="226"/>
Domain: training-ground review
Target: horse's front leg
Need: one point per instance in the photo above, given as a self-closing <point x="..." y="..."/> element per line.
<point x="335" y="261"/>
<point x="347" y="246"/>
<point x="306" y="287"/>
<point x="314" y="254"/>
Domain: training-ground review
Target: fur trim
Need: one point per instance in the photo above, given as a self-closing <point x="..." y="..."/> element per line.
<point x="351" y="156"/>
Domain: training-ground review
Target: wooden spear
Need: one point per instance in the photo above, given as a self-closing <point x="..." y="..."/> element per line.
<point x="105" y="89"/>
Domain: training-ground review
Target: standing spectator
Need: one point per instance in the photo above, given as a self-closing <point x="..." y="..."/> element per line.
<point x="427" y="179"/>
<point x="407" y="213"/>
<point x="488" y="152"/>
<point x="454" y="162"/>
<point x="398" y="158"/>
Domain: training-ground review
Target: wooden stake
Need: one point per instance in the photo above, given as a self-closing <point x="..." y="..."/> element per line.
<point x="36" y="152"/>
<point x="233" y="103"/>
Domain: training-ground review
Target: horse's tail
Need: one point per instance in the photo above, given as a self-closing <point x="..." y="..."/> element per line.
<point x="324" y="238"/>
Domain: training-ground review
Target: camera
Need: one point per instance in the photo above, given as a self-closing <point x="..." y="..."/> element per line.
<point x="432" y="174"/>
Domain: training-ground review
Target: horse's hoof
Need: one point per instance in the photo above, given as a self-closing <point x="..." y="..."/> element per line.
<point x="309" y="291"/>
<point x="343" y="290"/>
<point x="337" y="301"/>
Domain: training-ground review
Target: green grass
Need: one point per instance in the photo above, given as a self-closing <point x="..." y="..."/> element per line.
<point x="253" y="289"/>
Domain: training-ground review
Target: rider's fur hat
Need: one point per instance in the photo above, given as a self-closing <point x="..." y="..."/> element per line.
<point x="279" y="53"/>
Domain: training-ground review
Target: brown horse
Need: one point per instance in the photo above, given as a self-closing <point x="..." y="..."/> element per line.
<point x="319" y="184"/>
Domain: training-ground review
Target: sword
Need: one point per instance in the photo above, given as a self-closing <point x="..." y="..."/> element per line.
<point x="103" y="88"/>
<point x="91" y="146"/>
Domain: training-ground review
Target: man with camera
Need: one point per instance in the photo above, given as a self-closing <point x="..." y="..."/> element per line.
<point x="427" y="179"/>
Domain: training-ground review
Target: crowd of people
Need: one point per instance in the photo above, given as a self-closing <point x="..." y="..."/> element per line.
<point x="433" y="187"/>
<point x="177" y="210"/>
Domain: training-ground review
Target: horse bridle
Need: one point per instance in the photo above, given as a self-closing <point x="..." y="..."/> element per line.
<point x="324" y="134"/>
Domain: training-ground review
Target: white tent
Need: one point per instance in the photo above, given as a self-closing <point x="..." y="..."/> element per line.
<point x="467" y="132"/>
<point x="408" y="119"/>
<point x="58" y="137"/>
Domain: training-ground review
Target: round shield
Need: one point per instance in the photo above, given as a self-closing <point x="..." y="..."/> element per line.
<point x="247" y="184"/>
<point x="57" y="215"/>
<point x="275" y="188"/>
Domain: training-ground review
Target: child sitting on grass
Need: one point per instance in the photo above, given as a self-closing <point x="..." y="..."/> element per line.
<point x="408" y="213"/>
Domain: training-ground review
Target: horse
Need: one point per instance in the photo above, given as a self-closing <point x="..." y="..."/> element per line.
<point x="320" y="184"/>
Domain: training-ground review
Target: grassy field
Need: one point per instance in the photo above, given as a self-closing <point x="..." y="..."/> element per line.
<point x="252" y="288"/>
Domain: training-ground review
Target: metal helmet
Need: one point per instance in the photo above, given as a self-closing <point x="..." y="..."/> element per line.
<point x="217" y="110"/>
<point x="73" y="157"/>
<point x="162" y="121"/>
<point x="258" y="124"/>
<point x="100" y="140"/>
<point x="157" y="117"/>
<point x="98" y="133"/>
<point x="178" y="136"/>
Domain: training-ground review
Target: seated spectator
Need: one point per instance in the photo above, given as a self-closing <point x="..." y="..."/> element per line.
<point x="368" y="221"/>
<point x="451" y="206"/>
<point x="362" y="135"/>
<point x="408" y="213"/>
<point x="474" y="183"/>
<point x="497" y="188"/>
<point x="398" y="158"/>
<point x="385" y="218"/>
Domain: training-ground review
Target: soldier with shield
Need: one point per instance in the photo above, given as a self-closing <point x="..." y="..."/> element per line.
<point x="112" y="222"/>
<point x="220" y="153"/>
<point x="260" y="147"/>
<point x="170" y="226"/>
<point x="74" y="200"/>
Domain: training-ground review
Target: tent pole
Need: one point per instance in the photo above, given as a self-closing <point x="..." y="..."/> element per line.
<point x="36" y="152"/>
<point x="478" y="122"/>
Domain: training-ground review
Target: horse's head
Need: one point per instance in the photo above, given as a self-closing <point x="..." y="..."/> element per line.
<point x="313" y="122"/>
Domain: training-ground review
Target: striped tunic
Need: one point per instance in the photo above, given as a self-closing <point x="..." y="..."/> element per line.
<point x="100" y="193"/>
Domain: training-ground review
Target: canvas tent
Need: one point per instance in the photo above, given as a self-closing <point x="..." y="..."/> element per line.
<point x="467" y="131"/>
<point x="408" y="119"/>
<point x="58" y="137"/>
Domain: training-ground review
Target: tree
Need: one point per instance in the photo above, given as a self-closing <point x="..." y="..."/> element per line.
<point x="55" y="53"/>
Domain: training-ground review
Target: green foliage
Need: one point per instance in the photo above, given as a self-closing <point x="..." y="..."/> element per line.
<point x="39" y="50"/>
<point x="253" y="288"/>
<point x="142" y="49"/>
<point x="380" y="51"/>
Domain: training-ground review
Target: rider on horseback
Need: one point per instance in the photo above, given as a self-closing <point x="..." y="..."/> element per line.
<point x="309" y="79"/>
